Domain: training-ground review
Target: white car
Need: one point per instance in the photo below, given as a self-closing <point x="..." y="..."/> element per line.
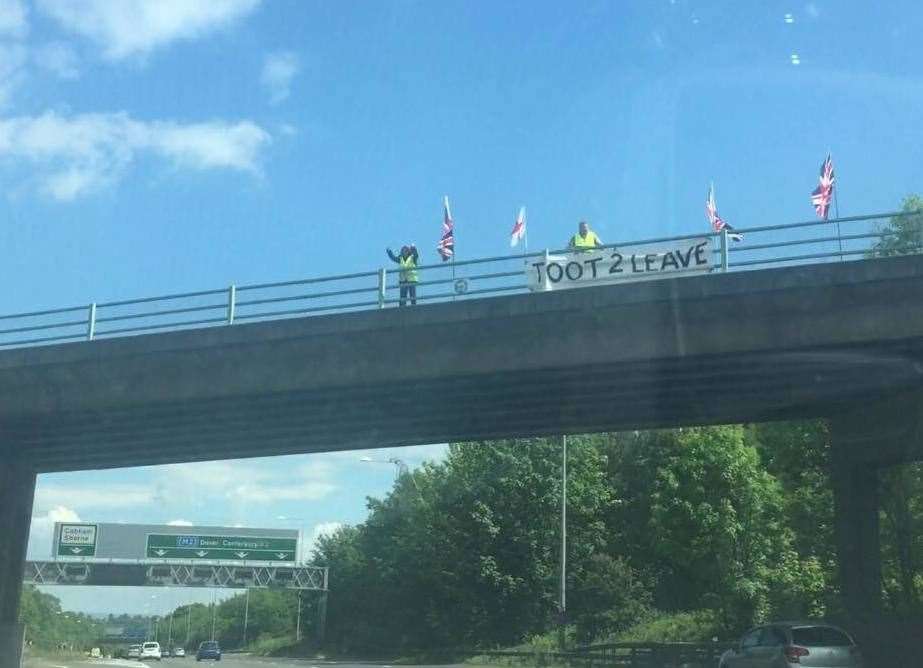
<point x="150" y="650"/>
<point x="134" y="652"/>
<point x="179" y="653"/>
<point x="788" y="644"/>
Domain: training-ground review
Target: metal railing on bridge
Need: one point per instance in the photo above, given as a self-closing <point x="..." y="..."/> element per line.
<point x="808" y="242"/>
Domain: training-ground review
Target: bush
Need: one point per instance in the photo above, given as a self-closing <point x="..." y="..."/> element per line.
<point x="270" y="646"/>
<point x="611" y="597"/>
<point x="694" y="626"/>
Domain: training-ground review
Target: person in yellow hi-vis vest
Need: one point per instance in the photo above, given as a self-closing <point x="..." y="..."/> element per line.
<point x="408" y="276"/>
<point x="585" y="239"/>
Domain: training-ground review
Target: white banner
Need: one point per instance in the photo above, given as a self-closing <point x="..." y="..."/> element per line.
<point x="612" y="265"/>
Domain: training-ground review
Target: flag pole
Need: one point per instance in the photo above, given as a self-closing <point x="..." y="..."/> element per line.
<point x="454" y="253"/>
<point x="711" y="194"/>
<point x="525" y="231"/>
<point x="836" y="212"/>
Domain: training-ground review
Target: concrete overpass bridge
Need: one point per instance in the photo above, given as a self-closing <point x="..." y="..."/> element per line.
<point x="740" y="347"/>
<point x="842" y="341"/>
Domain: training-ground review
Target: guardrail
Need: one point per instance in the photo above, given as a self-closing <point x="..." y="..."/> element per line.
<point x="627" y="655"/>
<point x="771" y="245"/>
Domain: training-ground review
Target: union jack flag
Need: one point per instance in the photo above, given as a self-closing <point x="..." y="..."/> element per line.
<point x="519" y="228"/>
<point x="716" y="221"/>
<point x="446" y="245"/>
<point x="823" y="193"/>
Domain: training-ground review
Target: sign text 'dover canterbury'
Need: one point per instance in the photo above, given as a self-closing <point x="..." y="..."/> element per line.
<point x="613" y="265"/>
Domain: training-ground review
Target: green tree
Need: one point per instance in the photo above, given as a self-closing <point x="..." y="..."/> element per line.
<point x="466" y="552"/>
<point x="797" y="454"/>
<point x="342" y="552"/>
<point x="901" y="521"/>
<point x="48" y="626"/>
<point x="717" y="515"/>
<point x="610" y="597"/>
<point x="272" y="614"/>
<point x="700" y="514"/>
<point x="904" y="233"/>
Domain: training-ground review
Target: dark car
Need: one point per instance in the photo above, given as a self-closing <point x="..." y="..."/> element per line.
<point x="208" y="650"/>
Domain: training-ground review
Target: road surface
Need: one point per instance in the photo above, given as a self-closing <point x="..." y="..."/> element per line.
<point x="227" y="661"/>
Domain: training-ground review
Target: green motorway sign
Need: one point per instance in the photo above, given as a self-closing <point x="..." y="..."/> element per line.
<point x="224" y="548"/>
<point x="77" y="540"/>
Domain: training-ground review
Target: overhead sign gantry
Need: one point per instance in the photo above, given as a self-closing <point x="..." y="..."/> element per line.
<point x="77" y="541"/>
<point x="159" y="555"/>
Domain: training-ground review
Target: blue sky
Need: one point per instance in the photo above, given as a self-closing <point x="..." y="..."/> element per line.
<point x="155" y="146"/>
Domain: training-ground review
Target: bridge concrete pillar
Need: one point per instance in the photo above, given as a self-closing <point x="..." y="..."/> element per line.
<point x="855" y="495"/>
<point x="17" y="489"/>
<point x="868" y="437"/>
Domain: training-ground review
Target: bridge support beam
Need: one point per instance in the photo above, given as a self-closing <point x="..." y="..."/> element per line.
<point x="17" y="489"/>
<point x="872" y="436"/>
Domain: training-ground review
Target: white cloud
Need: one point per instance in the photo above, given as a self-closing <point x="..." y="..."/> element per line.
<point x="209" y="145"/>
<point x="279" y="69"/>
<point x="49" y="497"/>
<point x="246" y="483"/>
<point x="812" y="10"/>
<point x="325" y="529"/>
<point x="63" y="514"/>
<point x="73" y="156"/>
<point x="13" y="22"/>
<point x="12" y="61"/>
<point x="59" y="59"/>
<point x="41" y="532"/>
<point x="179" y="523"/>
<point x="13" y="51"/>
<point x="261" y="493"/>
<point x="125" y="28"/>
<point x="319" y="531"/>
<point x="412" y="455"/>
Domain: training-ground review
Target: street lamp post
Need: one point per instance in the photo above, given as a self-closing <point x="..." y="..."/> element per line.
<point x="151" y="632"/>
<point x="562" y="602"/>
<point x="321" y="607"/>
<point x="214" y="614"/>
<point x="246" y="615"/>
<point x="298" y="621"/>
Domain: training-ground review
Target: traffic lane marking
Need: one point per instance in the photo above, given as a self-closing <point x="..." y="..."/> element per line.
<point x="250" y="661"/>
<point x="118" y="662"/>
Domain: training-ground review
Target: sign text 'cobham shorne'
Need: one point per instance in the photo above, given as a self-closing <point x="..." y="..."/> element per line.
<point x="615" y="265"/>
<point x="76" y="540"/>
